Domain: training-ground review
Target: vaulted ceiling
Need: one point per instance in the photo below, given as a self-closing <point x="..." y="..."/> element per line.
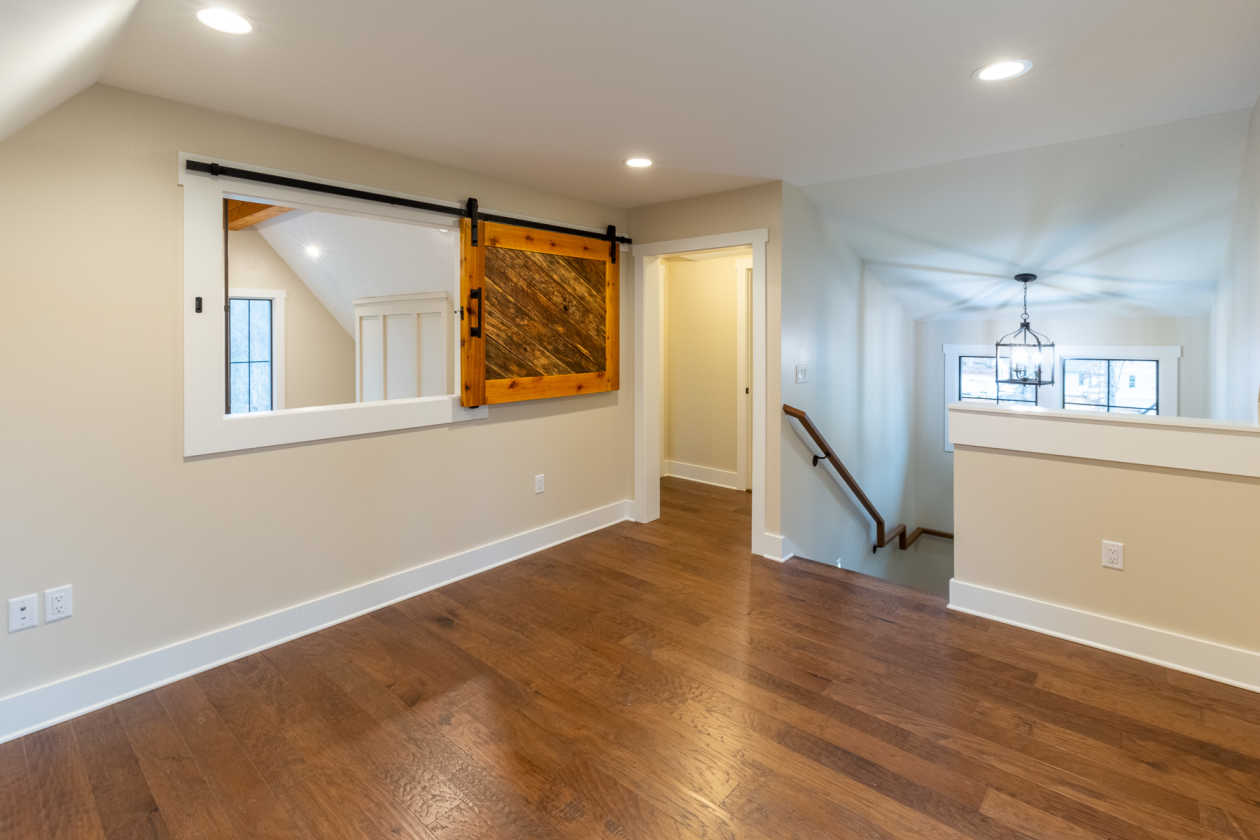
<point x="720" y="93"/>
<point x="1140" y="219"/>
<point x="360" y="257"/>
<point x="50" y="50"/>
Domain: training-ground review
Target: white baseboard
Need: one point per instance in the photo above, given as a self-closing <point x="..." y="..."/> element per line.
<point x="705" y="475"/>
<point x="1213" y="660"/>
<point x="773" y="547"/>
<point x="55" y="702"/>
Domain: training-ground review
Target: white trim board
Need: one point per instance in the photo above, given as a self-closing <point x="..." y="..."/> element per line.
<point x="1201" y="657"/>
<point x="1174" y="442"/>
<point x="774" y="547"/>
<point x="705" y="475"/>
<point x="207" y="429"/>
<point x="648" y="379"/>
<point x="46" y="705"/>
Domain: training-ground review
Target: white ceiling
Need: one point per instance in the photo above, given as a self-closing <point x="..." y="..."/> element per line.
<point x="50" y="50"/>
<point x="555" y="94"/>
<point x="362" y="257"/>
<point x="1140" y="219"/>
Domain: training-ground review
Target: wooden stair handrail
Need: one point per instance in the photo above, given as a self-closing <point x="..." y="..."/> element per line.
<point x="882" y="537"/>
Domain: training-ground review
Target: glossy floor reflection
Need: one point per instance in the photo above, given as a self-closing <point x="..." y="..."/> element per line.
<point x="656" y="681"/>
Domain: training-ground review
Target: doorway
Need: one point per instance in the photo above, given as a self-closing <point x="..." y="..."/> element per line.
<point x="705" y="318"/>
<point x="651" y="266"/>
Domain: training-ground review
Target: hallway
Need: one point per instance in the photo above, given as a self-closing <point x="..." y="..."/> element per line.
<point x="656" y="681"/>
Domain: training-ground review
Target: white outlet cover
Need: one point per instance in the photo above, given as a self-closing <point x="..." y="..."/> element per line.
<point x="1112" y="554"/>
<point x="539" y="483"/>
<point x="23" y="612"/>
<point x="58" y="603"/>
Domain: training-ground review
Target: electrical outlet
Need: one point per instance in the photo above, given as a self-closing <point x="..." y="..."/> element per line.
<point x="1113" y="555"/>
<point x="58" y="603"/>
<point x="23" y="612"/>
<point x="539" y="483"/>
<point x="802" y="373"/>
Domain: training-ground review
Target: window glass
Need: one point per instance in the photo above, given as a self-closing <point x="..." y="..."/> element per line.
<point x="1134" y="384"/>
<point x="1085" y="382"/>
<point x="975" y="378"/>
<point x="1117" y="386"/>
<point x="249" y="342"/>
<point x="977" y="383"/>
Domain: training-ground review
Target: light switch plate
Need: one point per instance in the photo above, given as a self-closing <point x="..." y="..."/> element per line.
<point x="539" y="484"/>
<point x="58" y="603"/>
<point x="802" y="373"/>
<point x="1113" y="555"/>
<point x="23" y="612"/>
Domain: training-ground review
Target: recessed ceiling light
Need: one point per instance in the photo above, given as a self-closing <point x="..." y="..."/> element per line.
<point x="313" y="251"/>
<point x="1000" y="71"/>
<point x="224" y="20"/>
<point x="639" y="163"/>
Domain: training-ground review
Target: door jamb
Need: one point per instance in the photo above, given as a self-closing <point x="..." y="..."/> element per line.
<point x="648" y="380"/>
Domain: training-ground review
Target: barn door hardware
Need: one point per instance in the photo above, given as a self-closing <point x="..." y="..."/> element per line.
<point x="474" y="331"/>
<point x="470" y="210"/>
<point x="612" y="243"/>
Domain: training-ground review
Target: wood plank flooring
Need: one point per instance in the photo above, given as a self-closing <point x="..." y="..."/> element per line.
<point x="656" y="681"/>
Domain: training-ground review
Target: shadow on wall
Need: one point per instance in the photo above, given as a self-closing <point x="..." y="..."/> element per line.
<point x="927" y="565"/>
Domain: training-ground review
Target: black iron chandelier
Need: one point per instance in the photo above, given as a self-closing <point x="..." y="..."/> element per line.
<point x="1025" y="356"/>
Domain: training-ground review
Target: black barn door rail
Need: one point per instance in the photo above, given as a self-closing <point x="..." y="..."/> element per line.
<point x="469" y="211"/>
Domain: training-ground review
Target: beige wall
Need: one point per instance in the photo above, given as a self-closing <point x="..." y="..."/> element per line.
<point x="1190" y="557"/>
<point x="701" y="361"/>
<point x="318" y="352"/>
<point x="726" y="212"/>
<point x="94" y="488"/>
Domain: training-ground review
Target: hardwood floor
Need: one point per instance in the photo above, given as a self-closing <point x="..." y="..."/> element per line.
<point x="655" y="681"/>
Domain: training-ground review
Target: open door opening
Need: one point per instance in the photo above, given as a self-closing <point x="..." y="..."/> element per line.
<point x="700" y="371"/>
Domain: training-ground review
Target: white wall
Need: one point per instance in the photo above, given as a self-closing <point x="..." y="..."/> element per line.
<point x="1236" y="314"/>
<point x="94" y="488"/>
<point x="701" y="361"/>
<point x="933" y="468"/>
<point x="857" y="342"/>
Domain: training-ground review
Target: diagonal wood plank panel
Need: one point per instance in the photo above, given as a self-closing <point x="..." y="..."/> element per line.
<point x="544" y="314"/>
<point x="657" y="681"/>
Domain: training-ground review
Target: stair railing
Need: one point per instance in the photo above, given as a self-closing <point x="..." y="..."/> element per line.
<point x="882" y="536"/>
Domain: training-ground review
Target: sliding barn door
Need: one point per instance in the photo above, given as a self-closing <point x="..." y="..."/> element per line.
<point x="540" y="313"/>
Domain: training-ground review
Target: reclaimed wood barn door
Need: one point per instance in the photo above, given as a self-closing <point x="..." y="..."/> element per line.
<point x="541" y="314"/>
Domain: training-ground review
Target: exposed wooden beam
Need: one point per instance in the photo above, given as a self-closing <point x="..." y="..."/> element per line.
<point x="243" y="214"/>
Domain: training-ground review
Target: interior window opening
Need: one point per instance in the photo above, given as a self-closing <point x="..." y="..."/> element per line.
<point x="330" y="308"/>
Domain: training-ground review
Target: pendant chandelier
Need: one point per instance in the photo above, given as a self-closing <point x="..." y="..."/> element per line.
<point x="1025" y="357"/>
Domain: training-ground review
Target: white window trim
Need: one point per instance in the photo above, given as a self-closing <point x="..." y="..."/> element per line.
<point x="207" y="428"/>
<point x="1051" y="396"/>
<point x="277" y="297"/>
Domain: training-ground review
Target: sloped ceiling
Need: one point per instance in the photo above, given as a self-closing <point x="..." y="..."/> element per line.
<point x="1140" y="219"/>
<point x="721" y="93"/>
<point x="556" y="94"/>
<point x="362" y="257"/>
<point x="50" y="50"/>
